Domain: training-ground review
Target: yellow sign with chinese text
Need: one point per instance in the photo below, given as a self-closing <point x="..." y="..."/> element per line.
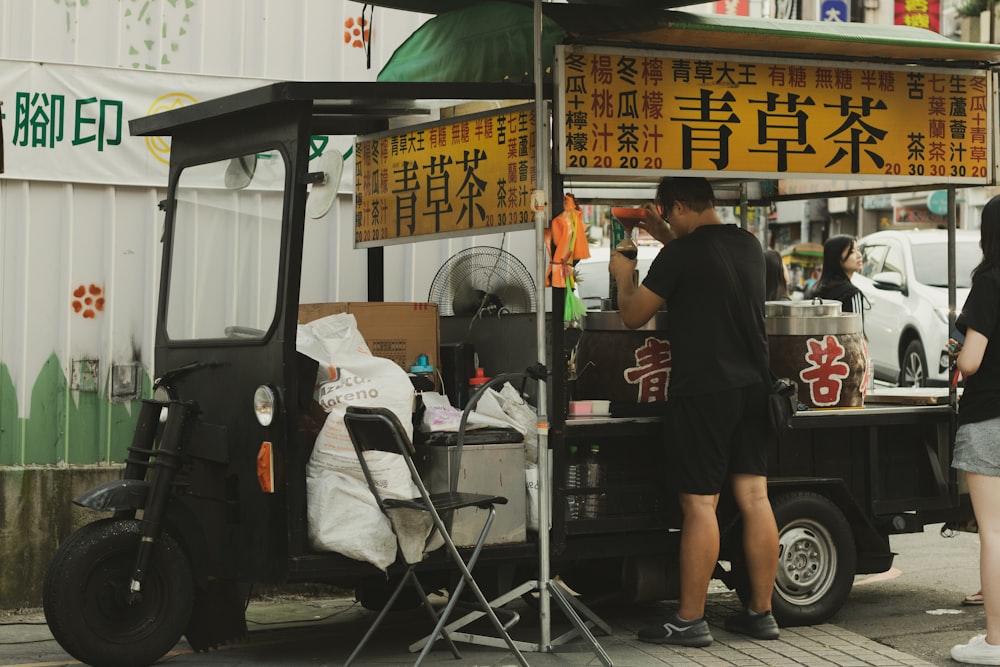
<point x="474" y="174"/>
<point x="625" y="111"/>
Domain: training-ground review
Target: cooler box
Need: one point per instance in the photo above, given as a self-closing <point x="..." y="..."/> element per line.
<point x="495" y="468"/>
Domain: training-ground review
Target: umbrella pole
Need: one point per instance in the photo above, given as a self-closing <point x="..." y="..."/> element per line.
<point x="541" y="199"/>
<point x="547" y="588"/>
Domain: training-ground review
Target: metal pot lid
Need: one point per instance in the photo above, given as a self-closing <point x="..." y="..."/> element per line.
<point x="811" y="308"/>
<point x="816" y="317"/>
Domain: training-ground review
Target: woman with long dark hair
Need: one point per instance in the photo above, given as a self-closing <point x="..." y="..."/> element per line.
<point x="977" y="442"/>
<point x="775" y="276"/>
<point x="841" y="260"/>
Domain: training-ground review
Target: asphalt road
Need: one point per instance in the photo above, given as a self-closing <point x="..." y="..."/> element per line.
<point x="914" y="608"/>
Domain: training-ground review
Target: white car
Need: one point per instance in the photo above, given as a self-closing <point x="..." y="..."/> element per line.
<point x="905" y="280"/>
<point x="594" y="280"/>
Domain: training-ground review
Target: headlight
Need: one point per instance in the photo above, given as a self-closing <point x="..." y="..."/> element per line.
<point x="265" y="402"/>
<point x="163" y="395"/>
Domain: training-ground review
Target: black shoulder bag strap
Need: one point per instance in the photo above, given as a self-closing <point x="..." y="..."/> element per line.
<point x="766" y="375"/>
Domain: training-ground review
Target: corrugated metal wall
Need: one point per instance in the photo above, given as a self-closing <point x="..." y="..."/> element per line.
<point x="77" y="301"/>
<point x="275" y="39"/>
<point x="80" y="262"/>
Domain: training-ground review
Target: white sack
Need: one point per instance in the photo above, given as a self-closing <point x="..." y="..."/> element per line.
<point x="342" y="514"/>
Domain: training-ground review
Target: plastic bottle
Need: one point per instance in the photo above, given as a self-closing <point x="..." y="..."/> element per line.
<point x="573" y="482"/>
<point x="477" y="381"/>
<point x="593" y="475"/>
<point x="422" y="374"/>
<point x="595" y="502"/>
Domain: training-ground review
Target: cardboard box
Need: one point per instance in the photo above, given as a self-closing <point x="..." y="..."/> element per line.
<point x="397" y="331"/>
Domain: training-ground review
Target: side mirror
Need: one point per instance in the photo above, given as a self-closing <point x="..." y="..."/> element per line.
<point x="889" y="280"/>
<point x="240" y="171"/>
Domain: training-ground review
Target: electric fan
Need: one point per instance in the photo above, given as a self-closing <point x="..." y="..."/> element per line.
<point x="483" y="280"/>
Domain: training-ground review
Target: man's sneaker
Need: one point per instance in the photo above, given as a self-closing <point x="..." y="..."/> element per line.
<point x="676" y="631"/>
<point x="976" y="652"/>
<point x="758" y="626"/>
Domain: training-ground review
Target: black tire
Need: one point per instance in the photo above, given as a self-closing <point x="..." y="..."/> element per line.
<point x="374" y="593"/>
<point x="913" y="365"/>
<point x="85" y="596"/>
<point x="817" y="559"/>
<point x="594" y="578"/>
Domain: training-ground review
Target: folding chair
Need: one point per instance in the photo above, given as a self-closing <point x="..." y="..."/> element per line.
<point x="378" y="429"/>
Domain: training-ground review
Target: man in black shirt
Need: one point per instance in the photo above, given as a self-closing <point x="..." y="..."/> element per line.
<point x="716" y="414"/>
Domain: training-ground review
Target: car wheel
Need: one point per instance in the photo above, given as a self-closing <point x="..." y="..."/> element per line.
<point x="913" y="365"/>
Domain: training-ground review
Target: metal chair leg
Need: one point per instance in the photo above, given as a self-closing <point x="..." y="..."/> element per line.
<point x="410" y="576"/>
<point x="378" y="619"/>
<point x="445" y="635"/>
<point x="467" y="578"/>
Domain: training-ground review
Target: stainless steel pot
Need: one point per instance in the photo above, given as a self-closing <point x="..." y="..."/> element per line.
<point x="610" y="320"/>
<point x="821" y="348"/>
<point x="809" y="318"/>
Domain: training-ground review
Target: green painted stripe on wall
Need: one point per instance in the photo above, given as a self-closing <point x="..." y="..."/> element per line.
<point x="64" y="426"/>
<point x="11" y="428"/>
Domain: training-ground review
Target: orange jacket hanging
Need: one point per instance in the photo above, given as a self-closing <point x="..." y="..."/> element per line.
<point x="565" y="243"/>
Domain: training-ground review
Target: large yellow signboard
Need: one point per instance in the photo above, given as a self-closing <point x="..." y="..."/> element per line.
<point x="656" y="112"/>
<point x="463" y="176"/>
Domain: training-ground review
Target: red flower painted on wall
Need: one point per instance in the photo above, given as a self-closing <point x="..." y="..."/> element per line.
<point x="88" y="300"/>
<point x="357" y="32"/>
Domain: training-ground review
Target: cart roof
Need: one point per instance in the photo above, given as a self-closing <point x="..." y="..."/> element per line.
<point x="493" y="41"/>
<point x="344" y="108"/>
<point x="804" y="39"/>
<point x="366" y="107"/>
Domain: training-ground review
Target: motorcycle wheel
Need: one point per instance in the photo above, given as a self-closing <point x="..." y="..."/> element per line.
<point x="86" y="596"/>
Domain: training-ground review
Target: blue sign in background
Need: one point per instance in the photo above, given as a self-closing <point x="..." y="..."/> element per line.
<point x="835" y="10"/>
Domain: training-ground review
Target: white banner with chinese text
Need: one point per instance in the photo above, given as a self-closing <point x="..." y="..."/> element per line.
<point x="70" y="122"/>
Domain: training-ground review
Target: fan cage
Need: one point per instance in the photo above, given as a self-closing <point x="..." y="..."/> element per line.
<point x="483" y="280"/>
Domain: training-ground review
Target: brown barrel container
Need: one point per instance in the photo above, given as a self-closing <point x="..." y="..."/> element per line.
<point x="821" y="348"/>
<point x="619" y="364"/>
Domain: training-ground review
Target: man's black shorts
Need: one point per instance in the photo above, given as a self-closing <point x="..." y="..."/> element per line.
<point x="712" y="436"/>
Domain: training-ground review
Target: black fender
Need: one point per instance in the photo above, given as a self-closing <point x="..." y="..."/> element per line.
<point x="874" y="552"/>
<point x="181" y="522"/>
<point x="116" y="495"/>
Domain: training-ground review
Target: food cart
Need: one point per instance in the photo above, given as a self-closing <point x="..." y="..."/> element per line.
<point x="213" y="495"/>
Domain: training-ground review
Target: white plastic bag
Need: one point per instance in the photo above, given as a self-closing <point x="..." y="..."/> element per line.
<point x="342" y="514"/>
<point x="508" y="406"/>
<point x="533" y="490"/>
<point x="440" y="415"/>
